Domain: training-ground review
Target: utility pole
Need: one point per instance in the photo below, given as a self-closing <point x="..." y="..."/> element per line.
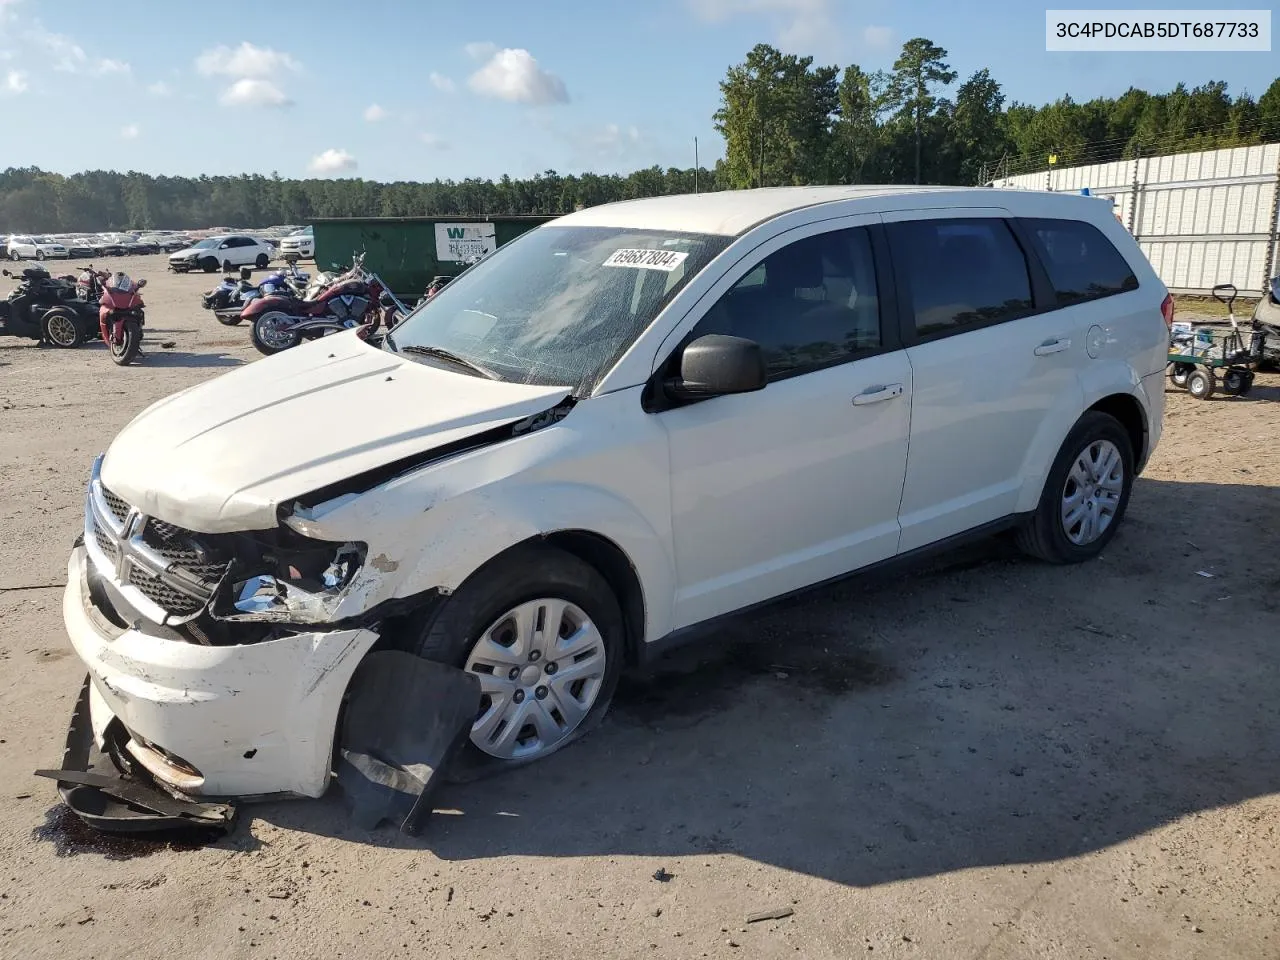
<point x="695" y="164"/>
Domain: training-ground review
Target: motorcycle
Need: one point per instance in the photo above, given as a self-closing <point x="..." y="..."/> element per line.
<point x="46" y="308"/>
<point x="229" y="298"/>
<point x="1266" y="321"/>
<point x="88" y="284"/>
<point x="121" y="316"/>
<point x="358" y="298"/>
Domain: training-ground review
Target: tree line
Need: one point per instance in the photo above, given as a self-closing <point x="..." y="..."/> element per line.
<point x="784" y="121"/>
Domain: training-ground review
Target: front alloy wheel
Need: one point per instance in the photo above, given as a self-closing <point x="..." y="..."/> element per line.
<point x="541" y="666"/>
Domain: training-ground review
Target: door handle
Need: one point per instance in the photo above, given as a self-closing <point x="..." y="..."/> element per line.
<point x="1052" y="346"/>
<point x="877" y="394"/>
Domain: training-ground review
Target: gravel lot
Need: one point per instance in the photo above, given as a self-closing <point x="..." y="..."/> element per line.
<point x="988" y="758"/>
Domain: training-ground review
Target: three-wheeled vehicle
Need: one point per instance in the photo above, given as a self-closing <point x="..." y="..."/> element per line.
<point x="46" y="308"/>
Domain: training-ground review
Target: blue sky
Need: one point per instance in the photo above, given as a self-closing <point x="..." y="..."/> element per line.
<point x="415" y="89"/>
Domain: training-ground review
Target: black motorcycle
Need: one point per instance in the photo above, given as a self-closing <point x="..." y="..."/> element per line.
<point x="46" y="308"/>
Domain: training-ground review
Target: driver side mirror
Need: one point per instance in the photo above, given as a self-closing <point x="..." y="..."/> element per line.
<point x="716" y="365"/>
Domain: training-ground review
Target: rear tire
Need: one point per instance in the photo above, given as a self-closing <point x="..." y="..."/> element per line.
<point x="126" y="351"/>
<point x="230" y="321"/>
<point x="272" y="344"/>
<point x="1045" y="534"/>
<point x="531" y="572"/>
<point x="61" y="328"/>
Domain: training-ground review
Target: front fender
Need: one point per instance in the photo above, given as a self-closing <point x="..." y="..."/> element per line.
<point x="441" y="546"/>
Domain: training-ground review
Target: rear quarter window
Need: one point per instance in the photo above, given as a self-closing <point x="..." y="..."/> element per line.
<point x="1081" y="262"/>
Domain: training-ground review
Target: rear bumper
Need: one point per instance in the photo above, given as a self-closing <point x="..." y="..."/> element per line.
<point x="228" y="721"/>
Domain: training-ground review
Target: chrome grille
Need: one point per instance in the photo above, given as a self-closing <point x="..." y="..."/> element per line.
<point x="161" y="569"/>
<point x="119" y="509"/>
<point x="105" y="543"/>
<point x="163" y="595"/>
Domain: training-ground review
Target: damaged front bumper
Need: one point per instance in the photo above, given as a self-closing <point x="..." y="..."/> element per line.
<point x="251" y="720"/>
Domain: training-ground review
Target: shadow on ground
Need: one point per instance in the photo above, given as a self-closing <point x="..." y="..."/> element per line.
<point x="983" y="711"/>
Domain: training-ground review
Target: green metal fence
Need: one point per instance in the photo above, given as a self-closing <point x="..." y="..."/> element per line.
<point x="408" y="251"/>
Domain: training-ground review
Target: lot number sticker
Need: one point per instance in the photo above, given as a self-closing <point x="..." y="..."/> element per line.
<point x="665" y="260"/>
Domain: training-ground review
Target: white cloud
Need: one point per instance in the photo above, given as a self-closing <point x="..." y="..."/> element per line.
<point x="245" y="60"/>
<point x="481" y="51"/>
<point x="129" y="132"/>
<point x="254" y="93"/>
<point x="514" y="75"/>
<point x="802" y="25"/>
<point x="160" y="89"/>
<point x="441" y="82"/>
<point x="106" y="66"/>
<point x="15" y="81"/>
<point x="877" y="36"/>
<point x="373" y="113"/>
<point x="332" y="161"/>
<point x="433" y="141"/>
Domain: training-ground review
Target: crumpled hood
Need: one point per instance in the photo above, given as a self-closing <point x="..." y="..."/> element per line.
<point x="223" y="455"/>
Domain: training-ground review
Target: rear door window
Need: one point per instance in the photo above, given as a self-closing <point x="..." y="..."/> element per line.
<point x="1082" y="263"/>
<point x="960" y="274"/>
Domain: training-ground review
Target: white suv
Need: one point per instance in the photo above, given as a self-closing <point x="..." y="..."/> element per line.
<point x="612" y="431"/>
<point x="222" y="253"/>
<point x="300" y="243"/>
<point x="35" y="248"/>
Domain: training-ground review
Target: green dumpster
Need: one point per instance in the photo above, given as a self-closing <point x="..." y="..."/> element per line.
<point x="408" y="251"/>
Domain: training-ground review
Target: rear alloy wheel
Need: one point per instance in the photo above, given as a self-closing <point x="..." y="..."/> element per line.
<point x="1085" y="493"/>
<point x="271" y="333"/>
<point x="61" y="330"/>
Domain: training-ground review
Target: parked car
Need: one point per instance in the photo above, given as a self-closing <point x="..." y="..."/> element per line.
<point x="596" y="442"/>
<point x="221" y="252"/>
<point x="35" y="248"/>
<point x="111" y="245"/>
<point x="300" y="244"/>
<point x="80" y="248"/>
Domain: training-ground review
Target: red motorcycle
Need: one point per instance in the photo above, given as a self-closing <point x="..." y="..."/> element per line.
<point x="355" y="299"/>
<point x="120" y="316"/>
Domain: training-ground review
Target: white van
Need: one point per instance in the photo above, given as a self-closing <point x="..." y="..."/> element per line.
<point x="616" y="429"/>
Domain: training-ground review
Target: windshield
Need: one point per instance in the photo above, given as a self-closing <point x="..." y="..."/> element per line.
<point x="206" y="242"/>
<point x="559" y="305"/>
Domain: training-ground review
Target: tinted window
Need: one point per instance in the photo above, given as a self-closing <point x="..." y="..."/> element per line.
<point x="811" y="303"/>
<point x="961" y="273"/>
<point x="1082" y="263"/>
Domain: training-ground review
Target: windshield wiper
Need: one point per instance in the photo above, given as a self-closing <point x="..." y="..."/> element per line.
<point x="440" y="353"/>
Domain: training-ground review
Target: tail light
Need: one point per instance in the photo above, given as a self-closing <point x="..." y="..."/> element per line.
<point x="1166" y="310"/>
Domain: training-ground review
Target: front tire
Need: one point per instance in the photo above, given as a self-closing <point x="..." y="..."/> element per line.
<point x="1178" y="374"/>
<point x="543" y="632"/>
<point x="39" y="254"/>
<point x="125" y="352"/>
<point x="1085" y="494"/>
<point x="1201" y="384"/>
<point x="209" y="265"/>
<point x="267" y="336"/>
<point x="262" y="261"/>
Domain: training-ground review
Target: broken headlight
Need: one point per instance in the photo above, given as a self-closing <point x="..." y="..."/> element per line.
<point x="293" y="580"/>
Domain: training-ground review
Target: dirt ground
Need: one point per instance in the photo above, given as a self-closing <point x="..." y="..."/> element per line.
<point x="987" y="758"/>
